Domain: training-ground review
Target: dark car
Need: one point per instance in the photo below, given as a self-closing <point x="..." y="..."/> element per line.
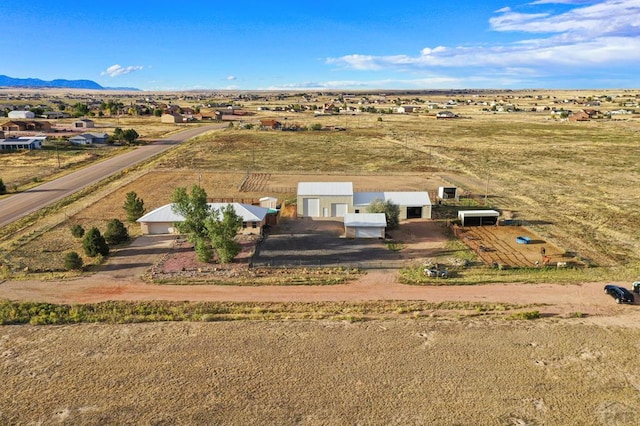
<point x="621" y="294"/>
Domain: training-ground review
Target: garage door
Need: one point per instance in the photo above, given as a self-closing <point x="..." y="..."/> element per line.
<point x="414" y="212"/>
<point x="311" y="207"/>
<point x="338" y="210"/>
<point x="160" y="228"/>
<point x="368" y="233"/>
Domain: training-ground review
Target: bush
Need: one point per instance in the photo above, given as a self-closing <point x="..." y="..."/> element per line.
<point x="94" y="243"/>
<point x="3" y="188"/>
<point x="204" y="252"/>
<point x="77" y="230"/>
<point x="72" y="261"/>
<point x="116" y="232"/>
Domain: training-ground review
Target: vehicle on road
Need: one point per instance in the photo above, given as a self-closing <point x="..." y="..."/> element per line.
<point x="620" y="294"/>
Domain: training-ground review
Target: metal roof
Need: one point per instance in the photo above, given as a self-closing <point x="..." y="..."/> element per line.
<point x="477" y="213"/>
<point x="325" y="188"/>
<point x="408" y="198"/>
<point x="165" y="213"/>
<point x="375" y="220"/>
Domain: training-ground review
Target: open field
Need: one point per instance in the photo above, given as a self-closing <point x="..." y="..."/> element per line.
<point x="420" y="371"/>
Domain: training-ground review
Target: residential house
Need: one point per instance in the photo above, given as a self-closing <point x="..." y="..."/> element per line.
<point x="172" y="118"/>
<point x="162" y="220"/>
<point x="446" y="115"/>
<point x="89" y="138"/>
<point x="14" y="144"/>
<point x="25" y="126"/>
<point x="270" y="124"/>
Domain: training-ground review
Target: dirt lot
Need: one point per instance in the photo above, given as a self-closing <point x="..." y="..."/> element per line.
<point x="393" y="372"/>
<point x="497" y="245"/>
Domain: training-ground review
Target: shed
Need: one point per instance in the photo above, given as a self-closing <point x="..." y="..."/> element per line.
<point x="269" y="202"/>
<point x="478" y="217"/>
<point x="162" y="219"/>
<point x="447" y="192"/>
<point x="365" y="225"/>
<point x="85" y="123"/>
<point x="324" y="199"/>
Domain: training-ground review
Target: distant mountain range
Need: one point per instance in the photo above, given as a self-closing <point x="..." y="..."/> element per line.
<point x="6" y="81"/>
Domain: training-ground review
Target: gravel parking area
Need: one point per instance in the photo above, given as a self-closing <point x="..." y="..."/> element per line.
<point x="319" y="242"/>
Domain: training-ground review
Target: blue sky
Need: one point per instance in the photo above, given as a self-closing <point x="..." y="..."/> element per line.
<point x="357" y="44"/>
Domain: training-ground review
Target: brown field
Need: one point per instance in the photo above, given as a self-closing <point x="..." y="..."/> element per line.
<point x="421" y="371"/>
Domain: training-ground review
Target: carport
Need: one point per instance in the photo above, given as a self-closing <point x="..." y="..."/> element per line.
<point x="478" y="217"/>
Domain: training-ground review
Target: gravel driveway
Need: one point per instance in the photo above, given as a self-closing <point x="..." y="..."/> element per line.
<point x="319" y="242"/>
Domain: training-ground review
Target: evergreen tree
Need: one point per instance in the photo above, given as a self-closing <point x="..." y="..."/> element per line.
<point x="116" y="232"/>
<point x="77" y="230"/>
<point x="94" y="243"/>
<point x="72" y="261"/>
<point x="133" y="206"/>
<point x="3" y="188"/>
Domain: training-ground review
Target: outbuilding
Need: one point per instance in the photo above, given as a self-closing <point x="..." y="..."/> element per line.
<point x="21" y="114"/>
<point x="478" y="217"/>
<point x="412" y="204"/>
<point x="365" y="225"/>
<point x="447" y="192"/>
<point x="324" y="199"/>
<point x="162" y="220"/>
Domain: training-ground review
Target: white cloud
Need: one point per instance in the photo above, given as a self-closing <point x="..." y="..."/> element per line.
<point x="116" y="70"/>
<point x="592" y="34"/>
<point x="231" y="77"/>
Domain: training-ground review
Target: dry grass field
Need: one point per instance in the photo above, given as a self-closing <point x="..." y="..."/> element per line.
<point x="380" y="372"/>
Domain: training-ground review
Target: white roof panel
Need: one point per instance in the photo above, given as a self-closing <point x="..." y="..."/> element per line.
<point x="165" y="213"/>
<point x="377" y="220"/>
<point x="408" y="198"/>
<point x="325" y="188"/>
<point x="478" y="213"/>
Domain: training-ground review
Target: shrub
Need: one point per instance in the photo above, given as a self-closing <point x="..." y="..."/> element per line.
<point x="77" y="230"/>
<point x="72" y="261"/>
<point x="3" y="188"/>
<point x="94" y="243"/>
<point x="116" y="232"/>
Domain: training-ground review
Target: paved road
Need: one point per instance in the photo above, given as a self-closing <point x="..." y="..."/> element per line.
<point x="20" y="205"/>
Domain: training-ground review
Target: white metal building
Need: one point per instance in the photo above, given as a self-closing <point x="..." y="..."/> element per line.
<point x="21" y="114"/>
<point x="365" y="225"/>
<point x="413" y="204"/>
<point x="324" y="199"/>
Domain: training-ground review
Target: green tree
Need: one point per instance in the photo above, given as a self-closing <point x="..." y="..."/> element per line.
<point x="194" y="209"/>
<point x="390" y="210"/>
<point x="133" y="206"/>
<point x="117" y="136"/>
<point x="77" y="230"/>
<point x="94" y="243"/>
<point x="203" y="249"/>
<point x="80" y="110"/>
<point x="116" y="232"/>
<point x="222" y="227"/>
<point x="130" y="136"/>
<point x="3" y="188"/>
<point x="72" y="261"/>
